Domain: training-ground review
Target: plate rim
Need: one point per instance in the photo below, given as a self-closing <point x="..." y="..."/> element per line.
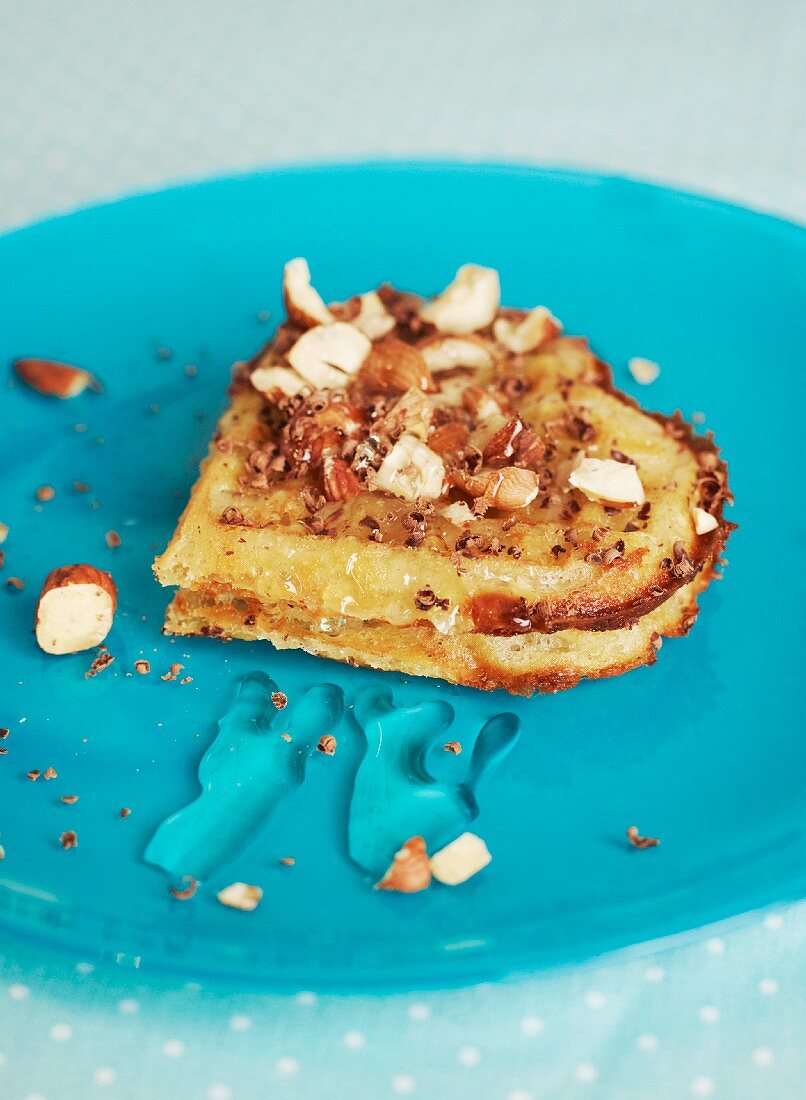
<point x="557" y="172"/>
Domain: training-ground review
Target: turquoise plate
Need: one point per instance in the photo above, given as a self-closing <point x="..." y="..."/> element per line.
<point x="703" y="750"/>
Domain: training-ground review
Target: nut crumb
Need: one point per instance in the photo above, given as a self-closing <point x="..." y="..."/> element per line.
<point x="142" y="667"/>
<point x="45" y="492"/>
<point x="125" y="811"/>
<point x="3" y="532"/>
<point x="34" y="774"/>
<point x="286" y="736"/>
<point x="4" y="732"/>
<point x="2" y="852"/>
<point x="280" y="699"/>
<point x="287" y="861"/>
<point x="327" y="744"/>
<point x="187" y="893"/>
<point x="173" y="671"/>
<point x="69" y="839"/>
<point x="644" y="371"/>
<point x="186" y="680"/>
<point x="453" y="747"/>
<point x="641" y="841"/>
<point x="82" y="487"/>
<point x="14" y="582"/>
<point x="50" y="773"/>
<point x="112" y="539"/>
<point x="102" y="661"/>
<point x="69" y="799"/>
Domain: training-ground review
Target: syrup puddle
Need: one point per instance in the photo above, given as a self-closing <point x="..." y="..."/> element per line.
<point x="397" y="795"/>
<point x="247" y="771"/>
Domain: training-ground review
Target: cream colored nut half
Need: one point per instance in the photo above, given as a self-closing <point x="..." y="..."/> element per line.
<point x="535" y="329"/>
<point x="303" y="304"/>
<point x="460" y="860"/>
<point x="604" y="479"/>
<point x="468" y="304"/>
<point x="75" y="609"/>
<point x="411" y="470"/>
<point x="326" y="354"/>
<point x="373" y="319"/>
<point x="240" y="895"/>
<point x="458" y="513"/>
<point x="448" y="352"/>
<point x="703" y="521"/>
<point x="268" y="380"/>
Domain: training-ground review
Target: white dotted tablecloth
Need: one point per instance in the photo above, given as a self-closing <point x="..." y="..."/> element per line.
<point x="99" y="99"/>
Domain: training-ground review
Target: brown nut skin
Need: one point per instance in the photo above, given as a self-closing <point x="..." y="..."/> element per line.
<point x="80" y="574"/>
<point x="51" y="378"/>
<point x="409" y="872"/>
<point x="395" y="367"/>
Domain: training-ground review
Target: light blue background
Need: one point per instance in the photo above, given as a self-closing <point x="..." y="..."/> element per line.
<point x="99" y="99"/>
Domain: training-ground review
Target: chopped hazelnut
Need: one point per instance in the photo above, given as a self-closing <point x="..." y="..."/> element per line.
<point x="240" y="895"/>
<point x="409" y="872"/>
<point x="469" y="303"/>
<point x="460" y="860"/>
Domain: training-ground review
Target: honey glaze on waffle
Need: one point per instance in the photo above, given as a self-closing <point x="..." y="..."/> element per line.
<point x="448" y="466"/>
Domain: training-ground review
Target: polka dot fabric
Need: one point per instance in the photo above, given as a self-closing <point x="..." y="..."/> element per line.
<point x="707" y="96"/>
<point x="692" y="1023"/>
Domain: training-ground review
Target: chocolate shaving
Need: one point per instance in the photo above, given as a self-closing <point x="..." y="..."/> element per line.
<point x="232" y="515"/>
<point x="427" y="598"/>
<point x="513" y="385"/>
<point x="312" y="500"/>
<point x="683" y="565"/>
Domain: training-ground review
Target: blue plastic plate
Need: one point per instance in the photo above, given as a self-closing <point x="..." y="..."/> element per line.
<point x="703" y="750"/>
